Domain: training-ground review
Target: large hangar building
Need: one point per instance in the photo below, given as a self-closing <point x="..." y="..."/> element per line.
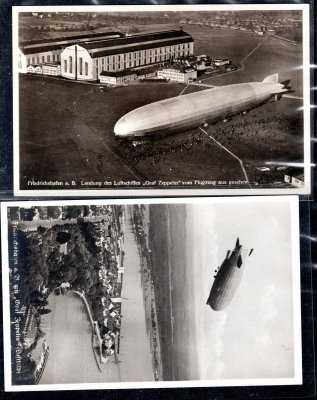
<point x="49" y="50"/>
<point x="86" y="61"/>
<point x="87" y="58"/>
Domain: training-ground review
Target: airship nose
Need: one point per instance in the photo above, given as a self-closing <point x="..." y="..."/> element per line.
<point x="121" y="128"/>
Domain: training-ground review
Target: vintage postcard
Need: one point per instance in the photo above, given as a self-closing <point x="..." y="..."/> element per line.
<point x="174" y="293"/>
<point x="179" y="100"/>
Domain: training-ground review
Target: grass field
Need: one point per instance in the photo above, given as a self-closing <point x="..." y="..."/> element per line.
<point x="66" y="128"/>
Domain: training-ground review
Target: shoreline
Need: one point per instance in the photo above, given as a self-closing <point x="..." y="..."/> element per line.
<point x="173" y="275"/>
<point x="95" y="338"/>
<point x="151" y="313"/>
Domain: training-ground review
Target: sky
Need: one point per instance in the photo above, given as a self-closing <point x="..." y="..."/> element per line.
<point x="253" y="337"/>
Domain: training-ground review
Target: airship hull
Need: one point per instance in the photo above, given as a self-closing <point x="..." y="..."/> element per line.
<point x="228" y="278"/>
<point x="225" y="288"/>
<point x="191" y="110"/>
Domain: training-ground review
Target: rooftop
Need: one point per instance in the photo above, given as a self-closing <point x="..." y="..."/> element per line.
<point x="47" y="64"/>
<point x="38" y="46"/>
<point x="180" y="68"/>
<point x="136" y="42"/>
<point x="117" y="74"/>
<point x="109" y="43"/>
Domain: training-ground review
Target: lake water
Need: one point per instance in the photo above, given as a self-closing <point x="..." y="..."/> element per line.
<point x="68" y="333"/>
<point x="188" y="244"/>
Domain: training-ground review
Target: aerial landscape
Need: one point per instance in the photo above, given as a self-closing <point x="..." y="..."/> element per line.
<point x="108" y="294"/>
<point x="78" y="98"/>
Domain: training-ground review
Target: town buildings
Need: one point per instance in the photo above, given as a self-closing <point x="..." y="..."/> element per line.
<point x="118" y="77"/>
<point x="178" y="73"/>
<point x="45" y="69"/>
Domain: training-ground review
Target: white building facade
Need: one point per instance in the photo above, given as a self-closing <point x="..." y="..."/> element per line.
<point x="85" y="57"/>
<point x="76" y="63"/>
<point x="35" y="69"/>
<point x="40" y="52"/>
<point x="51" y="69"/>
<point x="118" y="77"/>
<point x="87" y="61"/>
<point x="24" y="60"/>
<point x="177" y="74"/>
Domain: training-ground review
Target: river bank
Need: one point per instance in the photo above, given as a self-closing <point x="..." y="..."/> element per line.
<point x="69" y="334"/>
<point x="69" y="330"/>
<point x="135" y="349"/>
<point x="139" y="216"/>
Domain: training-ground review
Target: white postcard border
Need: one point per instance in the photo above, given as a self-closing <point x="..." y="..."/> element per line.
<point x="306" y="190"/>
<point x="294" y="215"/>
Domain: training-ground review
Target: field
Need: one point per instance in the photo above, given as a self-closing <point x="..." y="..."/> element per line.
<point x="66" y="128"/>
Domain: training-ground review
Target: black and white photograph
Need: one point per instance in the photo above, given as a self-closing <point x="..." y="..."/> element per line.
<point x="179" y="100"/>
<point x="174" y="293"/>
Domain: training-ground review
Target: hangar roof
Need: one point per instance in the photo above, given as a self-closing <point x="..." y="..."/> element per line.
<point x="41" y="46"/>
<point x="108" y="43"/>
<point x="136" y="42"/>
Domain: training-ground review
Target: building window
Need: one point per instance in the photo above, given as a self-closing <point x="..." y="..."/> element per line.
<point x="65" y="66"/>
<point x="80" y="66"/>
<point x="48" y="58"/>
<point x="70" y="64"/>
<point x="86" y="68"/>
<point x="43" y="59"/>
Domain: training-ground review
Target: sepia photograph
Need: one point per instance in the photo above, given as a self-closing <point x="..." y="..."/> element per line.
<point x="183" y="99"/>
<point x="148" y="294"/>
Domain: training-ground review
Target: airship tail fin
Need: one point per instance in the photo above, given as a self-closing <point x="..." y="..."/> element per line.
<point x="286" y="84"/>
<point x="271" y="79"/>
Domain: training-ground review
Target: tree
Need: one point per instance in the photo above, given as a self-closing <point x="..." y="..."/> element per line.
<point x="53" y="212"/>
<point x="44" y="311"/>
<point x="63" y="237"/>
<point x="39" y="303"/>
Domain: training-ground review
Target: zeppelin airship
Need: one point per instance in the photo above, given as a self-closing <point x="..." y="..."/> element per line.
<point x="195" y="109"/>
<point x="228" y="277"/>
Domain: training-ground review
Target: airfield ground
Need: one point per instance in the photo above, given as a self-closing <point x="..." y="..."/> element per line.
<point x="66" y="128"/>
